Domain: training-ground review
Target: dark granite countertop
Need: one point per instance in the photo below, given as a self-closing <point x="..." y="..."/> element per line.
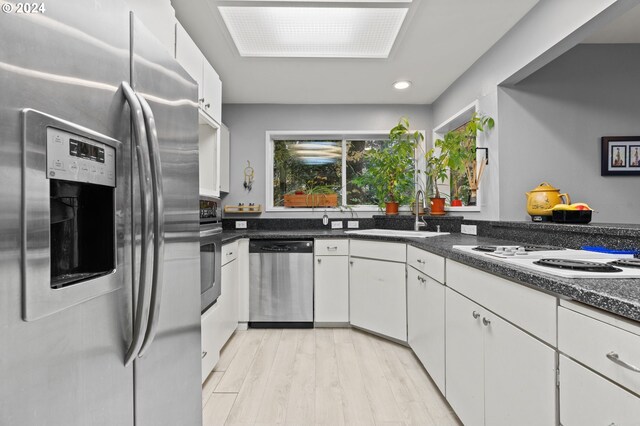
<point x="618" y="296"/>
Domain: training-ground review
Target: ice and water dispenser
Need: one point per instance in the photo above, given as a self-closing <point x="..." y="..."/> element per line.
<point x="81" y="176"/>
<point x="73" y="212"/>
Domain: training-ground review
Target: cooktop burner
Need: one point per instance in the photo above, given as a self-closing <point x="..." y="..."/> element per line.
<point x="630" y="263"/>
<point x="577" y="265"/>
<point x="527" y="248"/>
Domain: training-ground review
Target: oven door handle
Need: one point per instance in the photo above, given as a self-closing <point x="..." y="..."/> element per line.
<point x="158" y="224"/>
<point x="144" y="290"/>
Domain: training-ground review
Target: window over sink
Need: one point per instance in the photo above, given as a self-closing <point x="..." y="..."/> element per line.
<point x="315" y="170"/>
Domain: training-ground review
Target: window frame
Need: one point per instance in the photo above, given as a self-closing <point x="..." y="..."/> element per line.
<point x="344" y="135"/>
<point x="452" y="123"/>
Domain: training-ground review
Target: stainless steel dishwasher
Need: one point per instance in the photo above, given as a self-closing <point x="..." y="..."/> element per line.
<point x="281" y="284"/>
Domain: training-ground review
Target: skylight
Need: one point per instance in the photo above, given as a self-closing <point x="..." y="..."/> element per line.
<point x="327" y="32"/>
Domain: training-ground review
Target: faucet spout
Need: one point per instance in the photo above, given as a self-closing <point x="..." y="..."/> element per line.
<point x="418" y="203"/>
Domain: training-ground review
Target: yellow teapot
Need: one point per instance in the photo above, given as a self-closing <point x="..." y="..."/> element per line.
<point x="542" y="198"/>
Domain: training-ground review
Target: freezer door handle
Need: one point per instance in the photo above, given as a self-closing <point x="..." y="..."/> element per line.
<point x="158" y="223"/>
<point x="144" y="290"/>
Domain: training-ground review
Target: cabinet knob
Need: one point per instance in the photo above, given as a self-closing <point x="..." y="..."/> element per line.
<point x="486" y="322"/>
<point x="204" y="353"/>
<point x="421" y="279"/>
<point x="421" y="261"/>
<point x="201" y="100"/>
<point x="351" y="262"/>
<point x="476" y="315"/>
<point x="207" y="106"/>
<point x="319" y="260"/>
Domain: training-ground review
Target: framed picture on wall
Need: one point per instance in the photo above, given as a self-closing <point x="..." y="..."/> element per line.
<point x="620" y="156"/>
<point x="634" y="156"/>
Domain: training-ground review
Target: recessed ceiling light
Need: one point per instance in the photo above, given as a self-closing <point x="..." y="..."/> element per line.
<point x="402" y="84"/>
<point x="313" y="32"/>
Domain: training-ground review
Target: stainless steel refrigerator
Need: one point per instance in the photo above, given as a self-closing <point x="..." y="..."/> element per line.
<point x="99" y="251"/>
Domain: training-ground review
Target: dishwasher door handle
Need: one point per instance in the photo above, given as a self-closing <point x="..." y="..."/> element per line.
<point x="276" y="249"/>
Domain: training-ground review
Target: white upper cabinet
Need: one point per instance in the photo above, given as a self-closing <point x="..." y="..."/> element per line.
<point x="159" y="18"/>
<point x="190" y="57"/>
<point x="209" y="156"/>
<point x="224" y="158"/>
<point x="194" y="62"/>
<point x="212" y="96"/>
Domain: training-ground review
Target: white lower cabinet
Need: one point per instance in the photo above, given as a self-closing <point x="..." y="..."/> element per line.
<point x="496" y="374"/>
<point x="465" y="358"/>
<point x="220" y="321"/>
<point x="210" y="329"/>
<point x="331" y="289"/>
<point x="378" y="298"/>
<point x="425" y="323"/>
<point x="230" y="300"/>
<point x="243" y="282"/>
<point x="588" y="399"/>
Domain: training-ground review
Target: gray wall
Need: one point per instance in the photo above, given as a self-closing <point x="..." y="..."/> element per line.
<point x="248" y="123"/>
<point x="550" y="29"/>
<point x="551" y="125"/>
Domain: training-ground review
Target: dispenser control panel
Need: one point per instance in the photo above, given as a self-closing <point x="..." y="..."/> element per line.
<point x="79" y="159"/>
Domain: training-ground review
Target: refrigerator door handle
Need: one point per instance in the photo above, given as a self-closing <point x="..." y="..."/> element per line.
<point x="144" y="290"/>
<point x="158" y="222"/>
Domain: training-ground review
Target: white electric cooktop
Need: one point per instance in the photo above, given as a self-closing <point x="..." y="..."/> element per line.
<point x="561" y="262"/>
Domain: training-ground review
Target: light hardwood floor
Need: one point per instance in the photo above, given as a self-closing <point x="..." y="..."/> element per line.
<point x="320" y="376"/>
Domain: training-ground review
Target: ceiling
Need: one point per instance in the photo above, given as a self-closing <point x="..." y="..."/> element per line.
<point x="625" y="29"/>
<point x="439" y="40"/>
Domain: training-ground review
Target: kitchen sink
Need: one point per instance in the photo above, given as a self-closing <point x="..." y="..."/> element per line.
<point x="397" y="233"/>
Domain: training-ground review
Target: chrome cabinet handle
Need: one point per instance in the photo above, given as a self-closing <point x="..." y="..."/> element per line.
<point x="334" y="248"/>
<point x="204" y="353"/>
<point x="158" y="223"/>
<point x="486" y="322"/>
<point x="616" y="358"/>
<point x="421" y="279"/>
<point x="144" y="173"/>
<point x="421" y="261"/>
<point x="476" y="315"/>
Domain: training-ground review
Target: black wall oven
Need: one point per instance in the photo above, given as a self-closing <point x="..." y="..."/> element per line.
<point x="210" y="253"/>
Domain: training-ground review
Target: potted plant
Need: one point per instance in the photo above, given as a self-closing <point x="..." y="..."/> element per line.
<point x="436" y="171"/>
<point x="390" y="171"/>
<point x="312" y="196"/>
<point x="459" y="148"/>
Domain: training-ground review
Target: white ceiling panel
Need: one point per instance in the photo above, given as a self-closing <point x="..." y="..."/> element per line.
<point x="313" y="32"/>
<point x="438" y="41"/>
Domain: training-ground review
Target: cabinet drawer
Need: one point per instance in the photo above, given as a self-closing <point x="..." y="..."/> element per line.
<point x="588" y="399"/>
<point x="594" y="343"/>
<point x="229" y="252"/>
<point x="429" y="263"/>
<point x="331" y="247"/>
<point x="532" y="310"/>
<point x="393" y="252"/>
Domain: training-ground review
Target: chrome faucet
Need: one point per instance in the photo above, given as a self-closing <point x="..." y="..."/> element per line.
<point x="418" y="225"/>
